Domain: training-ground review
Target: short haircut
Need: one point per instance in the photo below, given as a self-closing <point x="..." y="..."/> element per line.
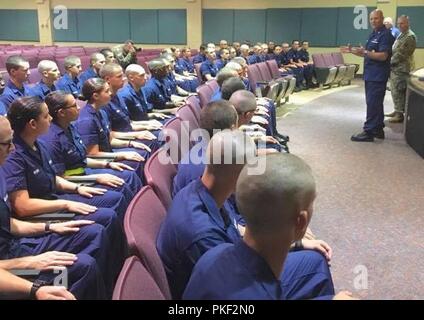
<point x="109" y="69"/>
<point x="96" y="56"/>
<point x="234" y="66"/>
<point x="105" y="51"/>
<point x="240" y="60"/>
<point x="46" y="65"/>
<point x="22" y="111"/>
<point x="71" y="61"/>
<point x="134" y="69"/>
<point x="229" y="147"/>
<point x="295" y="41"/>
<point x="224" y="74"/>
<point x="244" y="101"/>
<point x="218" y="115"/>
<point x="272" y="200"/>
<point x="156" y="64"/>
<point x="230" y="86"/>
<point x="15" y="62"/>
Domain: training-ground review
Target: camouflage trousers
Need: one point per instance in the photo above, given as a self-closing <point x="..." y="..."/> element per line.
<point x="398" y="83"/>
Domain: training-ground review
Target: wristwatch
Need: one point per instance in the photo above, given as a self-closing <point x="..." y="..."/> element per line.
<point x="36" y="285"/>
<point x="47" y="227"/>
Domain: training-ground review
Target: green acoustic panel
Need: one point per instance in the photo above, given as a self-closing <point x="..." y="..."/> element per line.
<point x="144" y="26"/>
<point x="319" y="26"/>
<point x="249" y="25"/>
<point x="19" y="25"/>
<point x="283" y="25"/>
<point x="6" y="32"/>
<point x="416" y="19"/>
<point x="217" y="25"/>
<point x="350" y="27"/>
<point x="172" y="26"/>
<point x="116" y="25"/>
<point x="90" y="25"/>
<point x="70" y="33"/>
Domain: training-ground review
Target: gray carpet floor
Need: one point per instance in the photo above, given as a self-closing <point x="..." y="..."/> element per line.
<point x="370" y="204"/>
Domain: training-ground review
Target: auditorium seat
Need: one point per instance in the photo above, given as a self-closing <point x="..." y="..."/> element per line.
<point x="324" y="74"/>
<point x="142" y="222"/>
<point x="205" y="94"/>
<point x="341" y="69"/>
<point x="136" y="283"/>
<point x="352" y="69"/>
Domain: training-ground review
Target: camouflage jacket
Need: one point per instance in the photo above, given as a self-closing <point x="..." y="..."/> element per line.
<point x="123" y="58"/>
<point x="403" y="52"/>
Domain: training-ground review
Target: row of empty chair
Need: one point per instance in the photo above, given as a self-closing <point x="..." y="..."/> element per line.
<point x="330" y="69"/>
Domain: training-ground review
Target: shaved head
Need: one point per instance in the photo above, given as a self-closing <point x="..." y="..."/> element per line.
<point x="243" y="101"/>
<point x="272" y="201"/>
<point x="376" y="19"/>
<point x="228" y="151"/>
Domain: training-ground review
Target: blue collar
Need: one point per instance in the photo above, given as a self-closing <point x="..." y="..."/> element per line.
<point x="211" y="206"/>
<point x="257" y="266"/>
<point x="14" y="88"/>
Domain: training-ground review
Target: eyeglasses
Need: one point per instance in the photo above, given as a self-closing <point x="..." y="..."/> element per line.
<point x="8" y="144"/>
<point x="69" y="107"/>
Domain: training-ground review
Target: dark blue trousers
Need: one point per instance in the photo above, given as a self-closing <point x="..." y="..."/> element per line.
<point x="132" y="181"/>
<point x="374" y="94"/>
<point x="90" y="275"/>
<point x="306" y="275"/>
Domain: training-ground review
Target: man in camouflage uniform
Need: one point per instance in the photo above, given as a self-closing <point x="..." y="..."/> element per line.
<point x="402" y="63"/>
<point x="125" y="54"/>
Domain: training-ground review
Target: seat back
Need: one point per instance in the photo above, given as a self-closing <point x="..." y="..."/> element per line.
<point x="186" y="114"/>
<point x="337" y="58"/>
<point x="142" y="222"/>
<point x="194" y="104"/>
<point x="34" y="76"/>
<point x="273" y="68"/>
<point x="199" y="75"/>
<point x="328" y="60"/>
<point x="85" y="62"/>
<point x="175" y="134"/>
<point x="254" y="77"/>
<point x="205" y="94"/>
<point x="135" y="283"/>
<point x="159" y="173"/>
<point x="318" y="60"/>
<point x="264" y="71"/>
<point x="213" y="84"/>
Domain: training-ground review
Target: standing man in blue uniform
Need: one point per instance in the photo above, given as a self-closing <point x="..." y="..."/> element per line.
<point x="49" y="74"/>
<point x="70" y="83"/>
<point x="277" y="206"/>
<point x="377" y="54"/>
<point x="18" y="70"/>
